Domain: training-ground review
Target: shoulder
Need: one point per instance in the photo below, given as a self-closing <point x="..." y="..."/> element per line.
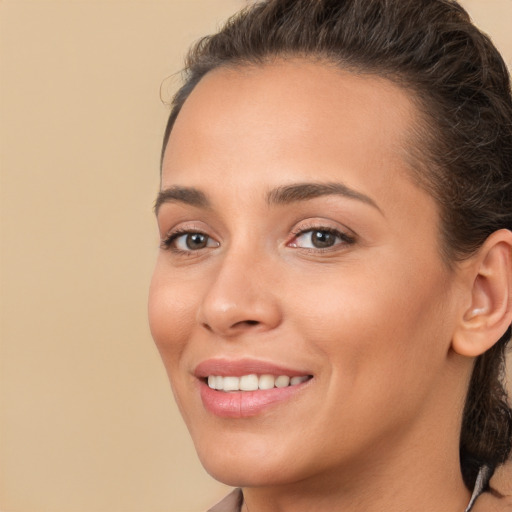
<point x="499" y="496"/>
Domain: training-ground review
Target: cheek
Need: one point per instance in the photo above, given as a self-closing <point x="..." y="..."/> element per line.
<point x="383" y="330"/>
<point x="171" y="312"/>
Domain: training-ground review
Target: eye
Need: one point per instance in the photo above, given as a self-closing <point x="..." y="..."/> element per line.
<point x="320" y="238"/>
<point x="189" y="241"/>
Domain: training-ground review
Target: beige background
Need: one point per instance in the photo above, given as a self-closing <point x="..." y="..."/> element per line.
<point x="87" y="421"/>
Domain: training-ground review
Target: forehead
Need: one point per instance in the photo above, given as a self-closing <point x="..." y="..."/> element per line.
<point x="287" y="118"/>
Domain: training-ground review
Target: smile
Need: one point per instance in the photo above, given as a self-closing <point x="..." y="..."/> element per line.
<point x="253" y="382"/>
<point x="248" y="387"/>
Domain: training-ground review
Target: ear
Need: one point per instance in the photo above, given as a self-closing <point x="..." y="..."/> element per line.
<point x="489" y="313"/>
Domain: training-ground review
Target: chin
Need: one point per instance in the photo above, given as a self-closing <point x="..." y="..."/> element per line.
<point x="248" y="475"/>
<point x="247" y="465"/>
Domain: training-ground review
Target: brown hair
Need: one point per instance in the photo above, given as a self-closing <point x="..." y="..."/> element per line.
<point x="462" y="153"/>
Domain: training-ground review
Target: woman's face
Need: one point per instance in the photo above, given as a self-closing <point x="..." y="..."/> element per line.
<point x="295" y="244"/>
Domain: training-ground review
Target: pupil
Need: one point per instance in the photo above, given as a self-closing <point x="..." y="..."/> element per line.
<point x="322" y="239"/>
<point x="196" y="241"/>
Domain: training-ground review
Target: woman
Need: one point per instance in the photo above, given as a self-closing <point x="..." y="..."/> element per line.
<point x="332" y="295"/>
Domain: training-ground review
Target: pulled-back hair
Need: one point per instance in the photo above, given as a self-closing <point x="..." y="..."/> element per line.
<point x="461" y="153"/>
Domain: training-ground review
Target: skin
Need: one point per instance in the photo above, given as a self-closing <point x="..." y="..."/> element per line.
<point x="372" y="319"/>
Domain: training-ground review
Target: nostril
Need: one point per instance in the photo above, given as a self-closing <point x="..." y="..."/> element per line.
<point x="245" y="323"/>
<point x="236" y="326"/>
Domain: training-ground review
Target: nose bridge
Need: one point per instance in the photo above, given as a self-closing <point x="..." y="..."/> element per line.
<point x="241" y="295"/>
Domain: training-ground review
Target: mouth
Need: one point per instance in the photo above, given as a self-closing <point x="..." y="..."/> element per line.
<point x="241" y="389"/>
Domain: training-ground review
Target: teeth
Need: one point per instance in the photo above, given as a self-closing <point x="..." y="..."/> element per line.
<point x="282" y="381"/>
<point x="249" y="383"/>
<point x="266" y="382"/>
<point x="231" y="383"/>
<point x="252" y="382"/>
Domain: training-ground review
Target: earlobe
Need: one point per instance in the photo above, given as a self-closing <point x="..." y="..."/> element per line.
<point x="490" y="311"/>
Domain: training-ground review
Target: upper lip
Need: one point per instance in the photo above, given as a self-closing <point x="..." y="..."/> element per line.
<point x="239" y="367"/>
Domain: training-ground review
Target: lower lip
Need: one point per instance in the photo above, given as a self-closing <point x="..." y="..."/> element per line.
<point x="243" y="404"/>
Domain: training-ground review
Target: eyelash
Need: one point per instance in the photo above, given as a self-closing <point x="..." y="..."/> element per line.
<point x="345" y="238"/>
<point x="168" y="242"/>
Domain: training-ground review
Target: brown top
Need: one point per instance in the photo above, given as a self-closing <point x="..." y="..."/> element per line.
<point x="497" y="499"/>
<point x="231" y="503"/>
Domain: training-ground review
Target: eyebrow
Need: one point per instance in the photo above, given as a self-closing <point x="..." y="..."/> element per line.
<point x="187" y="195"/>
<point x="306" y="191"/>
<point x="282" y="195"/>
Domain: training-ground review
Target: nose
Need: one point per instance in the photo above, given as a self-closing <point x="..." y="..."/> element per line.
<point x="241" y="298"/>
